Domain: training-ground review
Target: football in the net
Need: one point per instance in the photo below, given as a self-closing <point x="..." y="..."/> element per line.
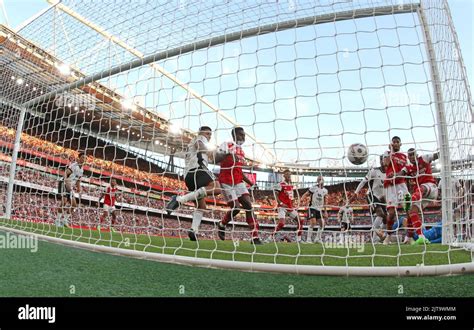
<point x="357" y="153"/>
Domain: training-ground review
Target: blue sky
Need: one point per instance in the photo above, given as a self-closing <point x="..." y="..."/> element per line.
<point x="255" y="82"/>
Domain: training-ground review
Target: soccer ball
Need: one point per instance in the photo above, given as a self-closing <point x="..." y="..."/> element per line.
<point x="357" y="153"/>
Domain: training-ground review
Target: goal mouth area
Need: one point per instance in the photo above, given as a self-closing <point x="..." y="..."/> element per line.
<point x="374" y="260"/>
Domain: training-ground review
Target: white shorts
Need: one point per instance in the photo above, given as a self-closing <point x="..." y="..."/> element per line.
<point x="108" y="208"/>
<point x="232" y="193"/>
<point x="430" y="195"/>
<point x="394" y="194"/>
<point x="283" y="211"/>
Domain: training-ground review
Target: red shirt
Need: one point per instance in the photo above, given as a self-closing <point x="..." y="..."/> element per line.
<point x="231" y="166"/>
<point x="285" y="195"/>
<point x="398" y="161"/>
<point x="110" y="197"/>
<point x="422" y="172"/>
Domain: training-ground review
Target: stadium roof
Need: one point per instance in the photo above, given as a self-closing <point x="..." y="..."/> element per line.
<point x="28" y="71"/>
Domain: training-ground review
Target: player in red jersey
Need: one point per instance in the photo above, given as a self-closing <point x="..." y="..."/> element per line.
<point x="285" y="205"/>
<point x="424" y="191"/>
<point x="231" y="157"/>
<point x="394" y="184"/>
<point x="110" y="197"/>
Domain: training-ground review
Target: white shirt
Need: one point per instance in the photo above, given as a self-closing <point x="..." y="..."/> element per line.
<point x="317" y="199"/>
<point x="347" y="214"/>
<point x="377" y="177"/>
<point x="76" y="172"/>
<point x="191" y="159"/>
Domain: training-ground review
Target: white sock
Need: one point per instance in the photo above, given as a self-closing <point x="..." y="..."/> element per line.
<point x="197" y="218"/>
<point x="320" y="233"/>
<point x="298" y="238"/>
<point x="66" y="219"/>
<point x="310" y="234"/>
<point x="192" y="196"/>
<point x="57" y="222"/>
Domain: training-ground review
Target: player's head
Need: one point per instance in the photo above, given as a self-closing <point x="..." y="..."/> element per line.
<point x="412" y="155"/>
<point x="320" y="181"/>
<point x="287" y="175"/>
<point x="205" y="131"/>
<point x="396" y="143"/>
<point x="81" y="159"/>
<point x="238" y="134"/>
<point x="113" y="183"/>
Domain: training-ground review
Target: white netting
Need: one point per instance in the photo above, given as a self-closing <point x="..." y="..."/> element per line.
<point x="312" y="80"/>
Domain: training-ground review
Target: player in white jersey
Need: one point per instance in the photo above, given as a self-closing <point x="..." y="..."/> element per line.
<point x="200" y="181"/>
<point x="375" y="197"/>
<point x="71" y="179"/>
<point x="345" y="217"/>
<point x="316" y="207"/>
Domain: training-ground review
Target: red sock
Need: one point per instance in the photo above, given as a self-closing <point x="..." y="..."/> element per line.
<point x="280" y="225"/>
<point x="300" y="227"/>
<point x="415" y="219"/>
<point x="253" y="224"/>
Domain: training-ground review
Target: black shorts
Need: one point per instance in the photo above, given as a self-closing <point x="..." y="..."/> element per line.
<point x="345" y="226"/>
<point x="313" y="213"/>
<point x="198" y="177"/>
<point x="375" y="202"/>
<point x="62" y="191"/>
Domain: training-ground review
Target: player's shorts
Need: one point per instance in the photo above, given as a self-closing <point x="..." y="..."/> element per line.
<point x="283" y="211"/>
<point x="232" y="193"/>
<point x="345" y="226"/>
<point x="394" y="193"/>
<point x="430" y="195"/>
<point x="108" y="208"/>
<point x="63" y="192"/>
<point x="198" y="177"/>
<point x="314" y="213"/>
<point x="375" y="202"/>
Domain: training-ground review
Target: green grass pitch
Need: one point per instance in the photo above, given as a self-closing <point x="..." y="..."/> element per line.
<point x="59" y="271"/>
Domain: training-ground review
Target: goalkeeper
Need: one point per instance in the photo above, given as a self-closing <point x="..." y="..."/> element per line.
<point x="433" y="234"/>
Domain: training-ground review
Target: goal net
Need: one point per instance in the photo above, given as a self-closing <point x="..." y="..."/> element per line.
<point x="130" y="85"/>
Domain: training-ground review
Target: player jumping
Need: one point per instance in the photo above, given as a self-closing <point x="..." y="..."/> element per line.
<point x="200" y="181"/>
<point x="394" y="184"/>
<point x="375" y="196"/>
<point x="71" y="178"/>
<point x="231" y="157"/>
<point x="425" y="190"/>
<point x="110" y="196"/>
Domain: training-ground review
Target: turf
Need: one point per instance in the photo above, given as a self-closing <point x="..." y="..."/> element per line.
<point x="60" y="271"/>
<point x="284" y="253"/>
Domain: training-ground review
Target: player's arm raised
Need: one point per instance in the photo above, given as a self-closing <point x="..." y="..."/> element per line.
<point x="358" y="189"/>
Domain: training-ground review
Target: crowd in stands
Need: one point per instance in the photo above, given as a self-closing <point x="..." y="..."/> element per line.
<point x="41" y="206"/>
<point x="264" y="198"/>
<point x="35" y="144"/>
<point x="265" y="207"/>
